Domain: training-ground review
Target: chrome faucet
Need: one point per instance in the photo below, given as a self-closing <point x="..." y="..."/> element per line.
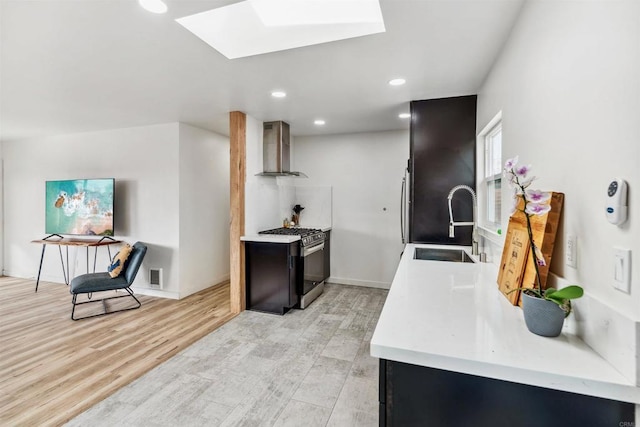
<point x="474" y="223"/>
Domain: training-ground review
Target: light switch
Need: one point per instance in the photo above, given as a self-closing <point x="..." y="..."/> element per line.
<point x="619" y="263"/>
<point x="622" y="269"/>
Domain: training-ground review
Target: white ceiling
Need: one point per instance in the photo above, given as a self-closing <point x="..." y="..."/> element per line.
<point x="81" y="65"/>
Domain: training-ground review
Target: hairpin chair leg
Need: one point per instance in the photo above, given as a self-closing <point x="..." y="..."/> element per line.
<point x="103" y="301"/>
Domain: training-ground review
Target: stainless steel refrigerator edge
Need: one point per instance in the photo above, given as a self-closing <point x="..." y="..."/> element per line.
<point x="404" y="205"/>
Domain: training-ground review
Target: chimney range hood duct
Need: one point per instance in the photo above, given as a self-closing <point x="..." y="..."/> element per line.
<point x="276" y="150"/>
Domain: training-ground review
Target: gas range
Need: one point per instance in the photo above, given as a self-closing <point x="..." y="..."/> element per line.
<point x="310" y="261"/>
<point x="309" y="236"/>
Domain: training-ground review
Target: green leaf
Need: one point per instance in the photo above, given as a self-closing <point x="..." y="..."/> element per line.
<point x="557" y="301"/>
<point x="549" y="291"/>
<point x="570" y="292"/>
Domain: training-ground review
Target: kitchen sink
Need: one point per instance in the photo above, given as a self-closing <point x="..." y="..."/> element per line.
<point x="440" y="254"/>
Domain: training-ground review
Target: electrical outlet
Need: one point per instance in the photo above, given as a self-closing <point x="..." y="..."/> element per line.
<point x="571" y="251"/>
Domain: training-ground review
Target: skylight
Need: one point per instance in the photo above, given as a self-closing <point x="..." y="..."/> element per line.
<point x="255" y="27"/>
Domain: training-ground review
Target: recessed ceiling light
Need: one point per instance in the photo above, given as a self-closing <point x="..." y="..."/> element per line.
<point x="404" y="115"/>
<point x="319" y="122"/>
<point x="278" y="94"/>
<point x="155" y="6"/>
<point x="397" y="82"/>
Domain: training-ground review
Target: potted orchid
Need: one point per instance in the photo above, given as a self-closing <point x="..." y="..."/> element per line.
<point x="544" y="309"/>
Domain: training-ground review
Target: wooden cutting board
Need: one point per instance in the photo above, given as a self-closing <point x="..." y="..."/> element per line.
<point x="514" y="257"/>
<point x="517" y="269"/>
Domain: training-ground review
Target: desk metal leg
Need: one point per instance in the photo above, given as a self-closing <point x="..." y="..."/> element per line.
<point x="68" y="275"/>
<point x="40" y="268"/>
<point x="64" y="272"/>
<point x="95" y="256"/>
<point x="66" y="269"/>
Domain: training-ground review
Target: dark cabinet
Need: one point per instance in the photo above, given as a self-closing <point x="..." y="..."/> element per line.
<point x="443" y="155"/>
<point x="271" y="273"/>
<point x="413" y="395"/>
<point x="327" y="254"/>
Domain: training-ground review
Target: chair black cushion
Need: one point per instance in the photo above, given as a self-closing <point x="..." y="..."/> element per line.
<point x="96" y="282"/>
<point x="132" y="264"/>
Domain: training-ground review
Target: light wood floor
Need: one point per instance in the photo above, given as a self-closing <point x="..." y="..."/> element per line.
<point x="52" y="368"/>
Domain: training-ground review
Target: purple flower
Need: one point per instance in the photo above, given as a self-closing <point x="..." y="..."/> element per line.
<point x="536" y="203"/>
<point x="509" y="164"/>
<point x="539" y="256"/>
<point x="537" y="208"/>
<point x="538" y="196"/>
<point x="522" y="170"/>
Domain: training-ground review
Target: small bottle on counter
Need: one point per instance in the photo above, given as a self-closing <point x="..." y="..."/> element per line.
<point x="285" y="223"/>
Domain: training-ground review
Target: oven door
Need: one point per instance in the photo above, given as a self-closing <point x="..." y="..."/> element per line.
<point x="312" y="267"/>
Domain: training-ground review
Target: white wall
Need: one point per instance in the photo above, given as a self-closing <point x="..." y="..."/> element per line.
<point x="142" y="160"/>
<point x="365" y="171"/>
<point x="569" y="87"/>
<point x="204" y="209"/>
<point x="148" y="164"/>
<point x="269" y="200"/>
<point x="262" y="200"/>
<point x="1" y="211"/>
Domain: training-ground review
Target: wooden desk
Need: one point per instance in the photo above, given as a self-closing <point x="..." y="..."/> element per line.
<point x="66" y="242"/>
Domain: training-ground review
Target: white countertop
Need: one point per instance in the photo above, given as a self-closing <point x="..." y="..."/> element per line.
<point x="277" y="238"/>
<point x="451" y="316"/>
<point x="270" y="238"/>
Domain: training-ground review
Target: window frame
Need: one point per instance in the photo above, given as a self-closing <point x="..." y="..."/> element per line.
<point x="491" y="228"/>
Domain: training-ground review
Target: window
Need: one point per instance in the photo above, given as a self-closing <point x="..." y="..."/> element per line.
<point x="490" y="197"/>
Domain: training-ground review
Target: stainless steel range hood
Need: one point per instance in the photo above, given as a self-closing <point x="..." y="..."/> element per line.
<point x="276" y="150"/>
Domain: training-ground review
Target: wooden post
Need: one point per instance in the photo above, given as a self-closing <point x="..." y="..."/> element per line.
<point x="238" y="141"/>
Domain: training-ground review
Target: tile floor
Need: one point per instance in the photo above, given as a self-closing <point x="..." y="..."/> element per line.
<point x="307" y="368"/>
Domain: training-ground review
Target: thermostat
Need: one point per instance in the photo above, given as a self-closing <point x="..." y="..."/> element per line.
<point x="616" y="205"/>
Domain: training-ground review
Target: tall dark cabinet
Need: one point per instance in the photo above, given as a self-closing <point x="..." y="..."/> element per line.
<point x="443" y="155"/>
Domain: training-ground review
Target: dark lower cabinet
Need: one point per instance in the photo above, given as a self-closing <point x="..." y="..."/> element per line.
<point x="271" y="273"/>
<point x="413" y="395"/>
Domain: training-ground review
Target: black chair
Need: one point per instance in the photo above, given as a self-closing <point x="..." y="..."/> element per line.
<point x="99" y="282"/>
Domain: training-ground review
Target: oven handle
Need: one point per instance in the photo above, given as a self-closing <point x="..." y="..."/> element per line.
<point x="312" y="249"/>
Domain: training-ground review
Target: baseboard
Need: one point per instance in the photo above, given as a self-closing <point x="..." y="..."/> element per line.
<point x="222" y="279"/>
<point x="31" y="276"/>
<point x="142" y="290"/>
<point x="356" y="282"/>
<point x="155" y="292"/>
